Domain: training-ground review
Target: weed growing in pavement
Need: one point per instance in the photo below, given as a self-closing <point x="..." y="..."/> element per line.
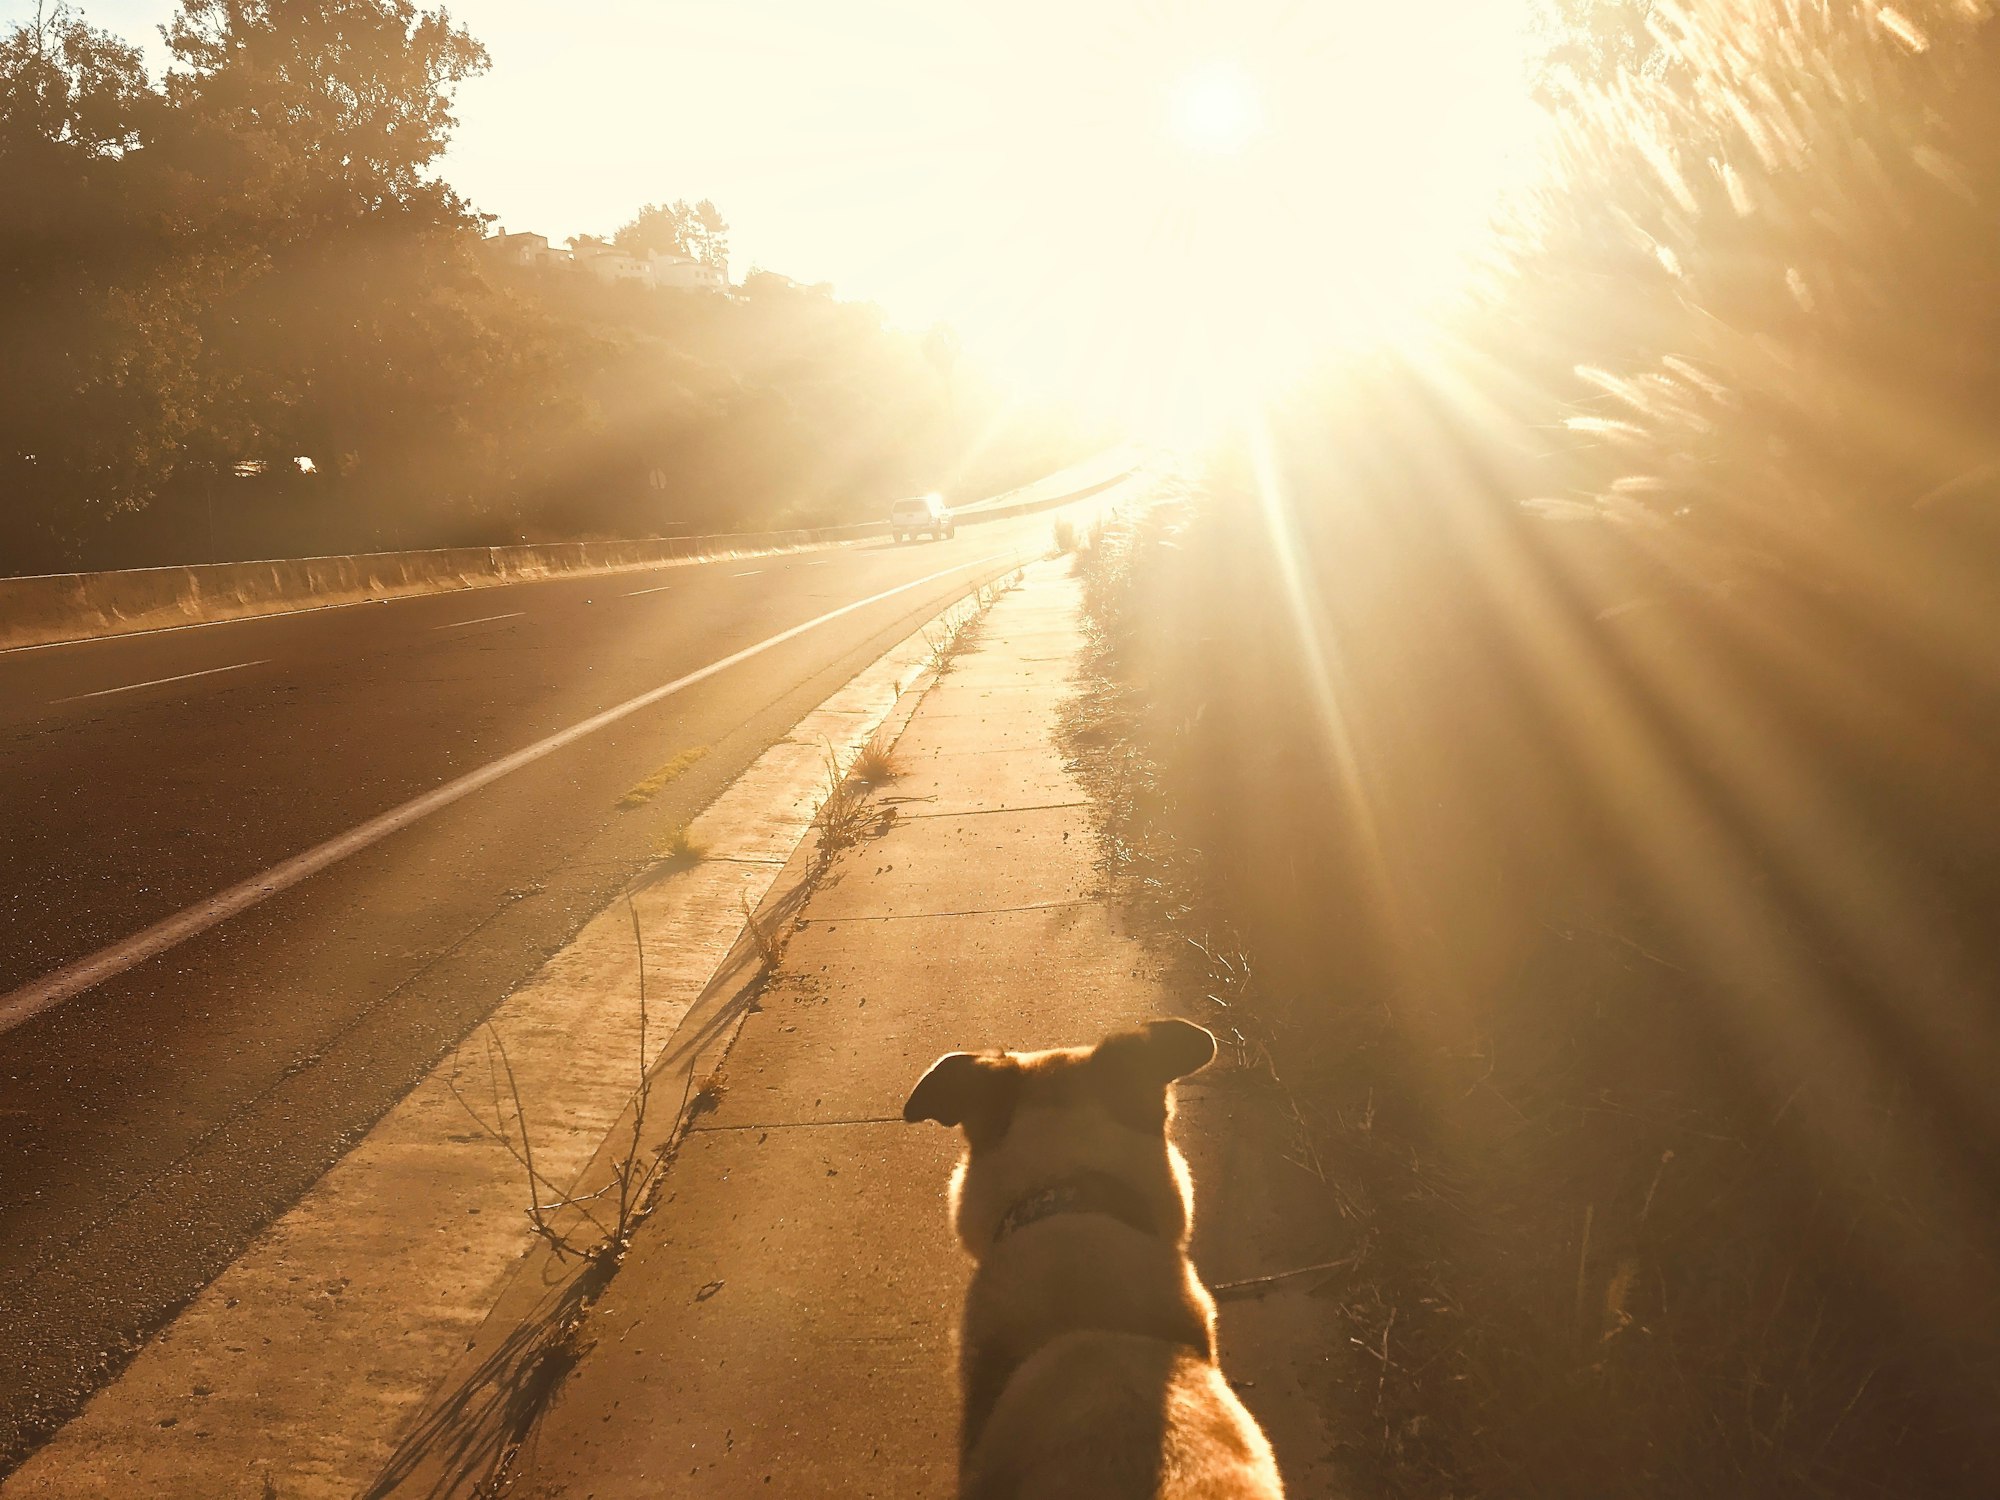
<point x="597" y="1227"/>
<point x="682" y="847"/>
<point x="877" y="762"/>
<point x="844" y="815"/>
<point x="1065" y="534"/>
<point x="940" y="651"/>
<point x="766" y="940"/>
<point x="953" y="633"/>
<point x="708" y="1096"/>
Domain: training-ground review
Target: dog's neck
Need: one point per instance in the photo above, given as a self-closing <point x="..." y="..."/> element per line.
<point x="1030" y="1290"/>
<point x="1083" y="1193"/>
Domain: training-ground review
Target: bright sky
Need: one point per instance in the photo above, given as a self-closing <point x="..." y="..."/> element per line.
<point x="1106" y="195"/>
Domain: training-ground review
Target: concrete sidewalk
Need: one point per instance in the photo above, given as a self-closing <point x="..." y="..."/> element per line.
<point x="784" y="1323"/>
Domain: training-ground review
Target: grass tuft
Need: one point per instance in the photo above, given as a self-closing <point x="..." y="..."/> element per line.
<point x="877" y="762"/>
<point x="645" y="791"/>
<point x="766" y="940"/>
<point x="683" y="846"/>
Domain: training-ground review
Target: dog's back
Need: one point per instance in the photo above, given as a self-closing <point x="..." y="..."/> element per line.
<point x="1087" y="1351"/>
<point x="1118" y="1416"/>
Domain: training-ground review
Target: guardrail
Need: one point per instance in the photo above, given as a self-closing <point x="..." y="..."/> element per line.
<point x="48" y="608"/>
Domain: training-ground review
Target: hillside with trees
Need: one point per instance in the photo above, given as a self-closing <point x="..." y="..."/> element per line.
<point x="248" y="318"/>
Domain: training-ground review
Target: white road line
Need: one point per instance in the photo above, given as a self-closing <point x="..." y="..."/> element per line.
<point x="482" y="620"/>
<point x="660" y="590"/>
<point x="821" y="563"/>
<point x="751" y="574"/>
<point x="155" y="682"/>
<point x="38" y="995"/>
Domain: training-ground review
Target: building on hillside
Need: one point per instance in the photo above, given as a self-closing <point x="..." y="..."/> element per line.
<point x="683" y="272"/>
<point x="523" y="249"/>
<point x="607" y="262"/>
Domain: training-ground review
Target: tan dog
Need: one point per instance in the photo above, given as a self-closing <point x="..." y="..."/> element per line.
<point x="1087" y="1357"/>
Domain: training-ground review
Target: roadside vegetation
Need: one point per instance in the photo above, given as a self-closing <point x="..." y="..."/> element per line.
<point x="247" y="318"/>
<point x="876" y="763"/>
<point x="1575" y="749"/>
<point x="681" y="847"/>
<point x="645" y="790"/>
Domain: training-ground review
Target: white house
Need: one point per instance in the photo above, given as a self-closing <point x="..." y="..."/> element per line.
<point x="607" y="262"/>
<point x="681" y="271"/>
<point x="524" y="249"/>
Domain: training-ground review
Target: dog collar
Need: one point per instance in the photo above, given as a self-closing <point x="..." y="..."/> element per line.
<point x="1086" y="1193"/>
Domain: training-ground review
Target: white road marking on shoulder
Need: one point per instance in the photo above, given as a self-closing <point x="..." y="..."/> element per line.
<point x="751" y="574"/>
<point x="482" y="620"/>
<point x="38" y="995"/>
<point x="157" y="681"/>
<point x="660" y="590"/>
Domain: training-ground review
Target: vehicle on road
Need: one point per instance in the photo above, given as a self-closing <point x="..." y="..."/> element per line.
<point x="926" y="513"/>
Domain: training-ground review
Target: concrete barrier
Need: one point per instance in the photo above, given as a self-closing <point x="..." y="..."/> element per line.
<point x="49" y="608"/>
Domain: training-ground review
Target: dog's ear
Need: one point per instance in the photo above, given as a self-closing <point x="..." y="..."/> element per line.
<point x="1159" y="1052"/>
<point x="968" y="1089"/>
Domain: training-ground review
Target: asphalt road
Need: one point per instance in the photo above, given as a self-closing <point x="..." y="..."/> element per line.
<point x="152" y="1123"/>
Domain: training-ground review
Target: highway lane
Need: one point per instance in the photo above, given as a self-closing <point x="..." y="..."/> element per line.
<point x="150" y="1125"/>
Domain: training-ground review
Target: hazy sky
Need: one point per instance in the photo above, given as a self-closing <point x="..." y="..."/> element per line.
<point x="1047" y="173"/>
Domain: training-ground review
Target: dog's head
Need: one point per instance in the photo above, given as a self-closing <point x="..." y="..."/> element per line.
<point x="1036" y="1120"/>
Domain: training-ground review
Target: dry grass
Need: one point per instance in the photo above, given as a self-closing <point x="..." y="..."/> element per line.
<point x="596" y="1227"/>
<point x="1750" y="276"/>
<point x="947" y="638"/>
<point x="955" y="631"/>
<point x="645" y="791"/>
<point x="876" y="762"/>
<point x="1065" y="535"/>
<point x="766" y="938"/>
<point x="682" y="846"/>
<point x="844" y="815"/>
<point x="708" y="1095"/>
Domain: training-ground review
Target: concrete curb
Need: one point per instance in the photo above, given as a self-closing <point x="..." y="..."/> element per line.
<point x="47" y="609"/>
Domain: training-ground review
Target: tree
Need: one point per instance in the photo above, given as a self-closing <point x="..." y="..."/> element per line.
<point x="68" y="85"/>
<point x="98" y="390"/>
<point x="695" y="231"/>
<point x="345" y="312"/>
<point x="711" y="237"/>
<point x="350" y="92"/>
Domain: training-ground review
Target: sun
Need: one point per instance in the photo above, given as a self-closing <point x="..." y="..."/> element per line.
<point x="1217" y="199"/>
<point x="1216" y="110"/>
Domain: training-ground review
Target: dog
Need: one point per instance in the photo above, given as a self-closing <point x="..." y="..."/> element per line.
<point x="1087" y="1354"/>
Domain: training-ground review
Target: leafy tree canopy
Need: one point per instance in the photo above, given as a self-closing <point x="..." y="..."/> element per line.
<point x="697" y="231"/>
<point x="65" y="83"/>
<point x="357" y="92"/>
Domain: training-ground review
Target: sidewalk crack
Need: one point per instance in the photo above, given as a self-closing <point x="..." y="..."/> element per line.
<point x="977" y="911"/>
<point x="699" y="1129"/>
<point x="980" y="812"/>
